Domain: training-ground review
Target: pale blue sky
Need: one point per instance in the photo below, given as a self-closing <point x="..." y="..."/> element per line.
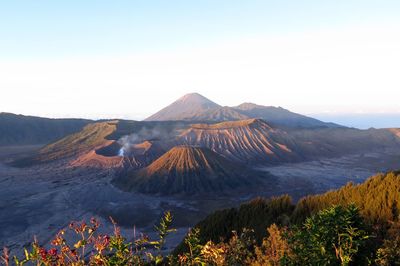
<point x="73" y="58"/>
<point x="73" y="28"/>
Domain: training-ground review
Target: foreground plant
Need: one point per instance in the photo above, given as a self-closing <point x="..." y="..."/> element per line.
<point x="334" y="236"/>
<point x="93" y="248"/>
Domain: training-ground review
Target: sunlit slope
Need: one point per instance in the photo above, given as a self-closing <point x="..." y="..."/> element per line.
<point x="90" y="137"/>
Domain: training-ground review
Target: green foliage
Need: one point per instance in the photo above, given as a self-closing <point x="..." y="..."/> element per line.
<point x="331" y="234"/>
<point x="240" y="248"/>
<point x="332" y="237"/>
<point x="163" y="229"/>
<point x="258" y="214"/>
<point x="389" y="253"/>
<point x="193" y="256"/>
<point x="274" y="249"/>
<point x="377" y="199"/>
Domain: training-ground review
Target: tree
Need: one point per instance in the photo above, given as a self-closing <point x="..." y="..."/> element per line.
<point x="333" y="236"/>
<point x="273" y="249"/>
<point x="389" y="253"/>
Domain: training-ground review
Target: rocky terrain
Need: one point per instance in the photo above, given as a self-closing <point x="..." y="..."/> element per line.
<point x="250" y="141"/>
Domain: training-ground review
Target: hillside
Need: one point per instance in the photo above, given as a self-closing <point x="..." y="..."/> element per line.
<point x="27" y="130"/>
<point x="188" y="170"/>
<point x="334" y="142"/>
<point x="377" y="198"/>
<point x="90" y="137"/>
<point x="251" y="140"/>
<point x="218" y="114"/>
<point x="281" y="117"/>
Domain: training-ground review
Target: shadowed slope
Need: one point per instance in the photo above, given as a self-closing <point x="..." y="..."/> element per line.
<point x="185" y="169"/>
<point x="24" y="130"/>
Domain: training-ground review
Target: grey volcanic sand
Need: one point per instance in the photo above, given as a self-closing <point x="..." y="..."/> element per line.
<point x="43" y="199"/>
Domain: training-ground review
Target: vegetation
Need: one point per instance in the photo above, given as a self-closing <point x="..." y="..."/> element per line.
<point x="334" y="236"/>
<point x="258" y="214"/>
<point x="262" y="232"/>
<point x="378" y="199"/>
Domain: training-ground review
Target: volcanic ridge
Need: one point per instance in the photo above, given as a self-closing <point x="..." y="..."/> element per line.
<point x="188" y="170"/>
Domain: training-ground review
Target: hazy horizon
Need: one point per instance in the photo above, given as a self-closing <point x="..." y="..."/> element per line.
<point x="356" y="120"/>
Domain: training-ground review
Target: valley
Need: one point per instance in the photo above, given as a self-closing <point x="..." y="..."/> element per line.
<point x="42" y="199"/>
<point x="192" y="158"/>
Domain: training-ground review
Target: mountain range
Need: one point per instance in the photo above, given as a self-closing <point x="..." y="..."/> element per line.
<point x="196" y="145"/>
<point x="195" y="107"/>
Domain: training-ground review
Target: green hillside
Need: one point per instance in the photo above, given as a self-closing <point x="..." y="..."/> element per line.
<point x="376" y="201"/>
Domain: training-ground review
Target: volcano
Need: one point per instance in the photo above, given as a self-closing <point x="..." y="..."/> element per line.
<point x="185" y="108"/>
<point x="251" y="140"/>
<point x="188" y="170"/>
<point x="197" y="108"/>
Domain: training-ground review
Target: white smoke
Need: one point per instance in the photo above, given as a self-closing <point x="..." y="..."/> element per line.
<point x="155" y="133"/>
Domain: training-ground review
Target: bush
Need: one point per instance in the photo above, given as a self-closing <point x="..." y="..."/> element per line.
<point x="332" y="237"/>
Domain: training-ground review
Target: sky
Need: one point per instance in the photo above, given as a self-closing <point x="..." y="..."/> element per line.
<point x="128" y="59"/>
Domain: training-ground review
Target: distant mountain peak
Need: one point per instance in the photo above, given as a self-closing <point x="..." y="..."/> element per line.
<point x="194" y="96"/>
<point x="195" y="107"/>
<point x="184" y="108"/>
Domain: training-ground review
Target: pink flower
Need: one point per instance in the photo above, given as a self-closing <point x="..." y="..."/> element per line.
<point x="53" y="252"/>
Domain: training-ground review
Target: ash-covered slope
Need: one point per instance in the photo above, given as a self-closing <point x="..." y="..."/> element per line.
<point x="184" y="108"/>
<point x="219" y="114"/>
<point x="188" y="170"/>
<point x="251" y="141"/>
